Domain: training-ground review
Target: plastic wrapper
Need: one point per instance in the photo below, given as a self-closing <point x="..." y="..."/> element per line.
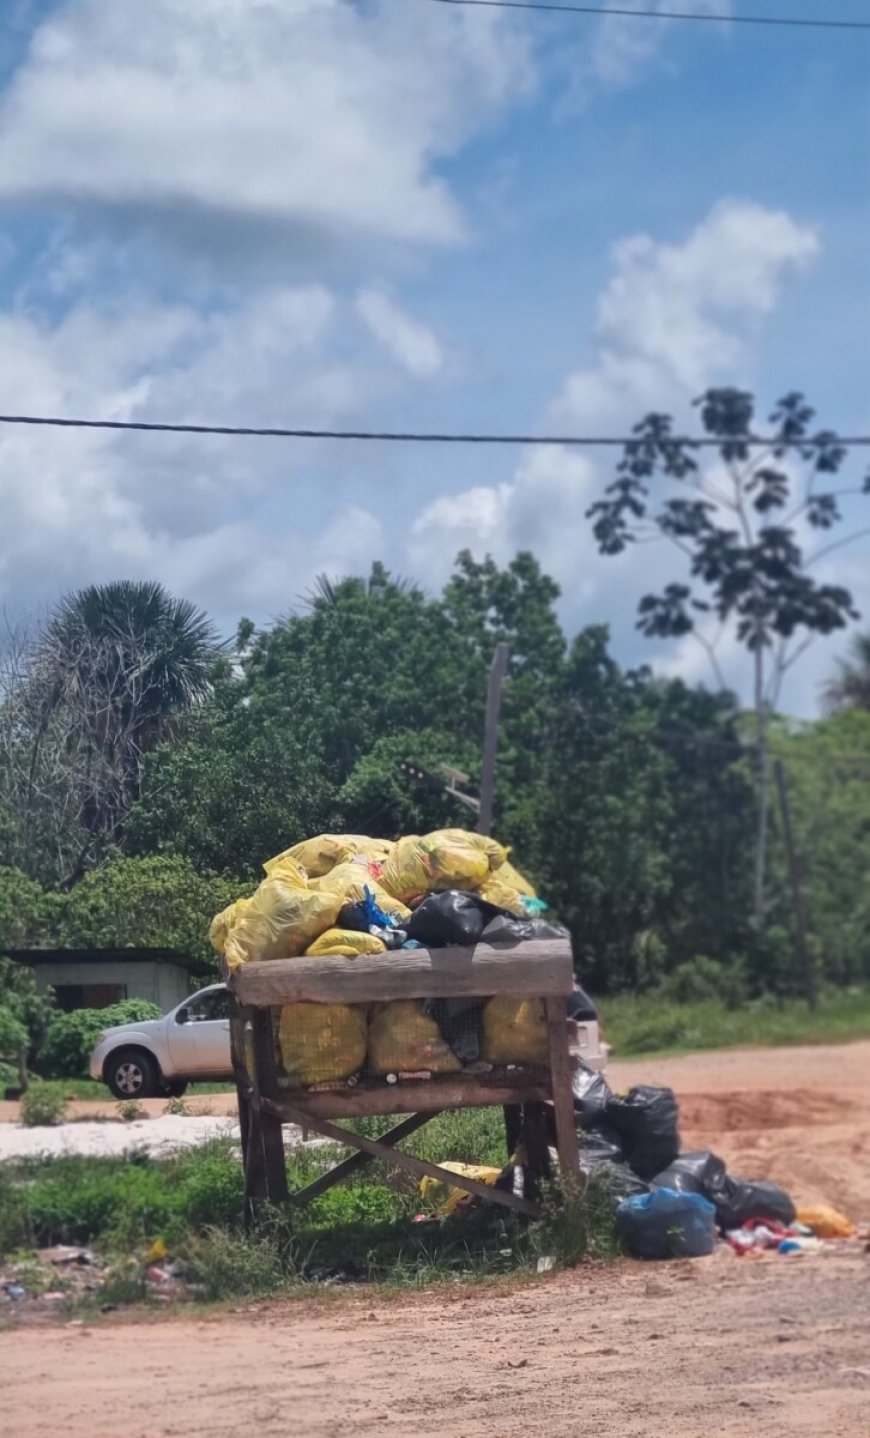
<point x="345" y="943"/>
<point x="504" y="931"/>
<point x="279" y="922"/>
<point x="349" y="882"/>
<point x="322" y="1043"/>
<point x="664" y="1224"/>
<point x="320" y="855"/>
<point x="826" y="1222"/>
<point x="592" y="1094"/>
<point x="446" y="1198"/>
<point x="515" y="1031"/>
<point x="402" y="1038"/>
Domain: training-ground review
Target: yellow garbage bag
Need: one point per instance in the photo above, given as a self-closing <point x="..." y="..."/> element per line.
<point x="514" y="1031"/>
<point x="444" y="859"/>
<point x="496" y="891"/>
<point x="322" y="1043"/>
<point x="350" y="881"/>
<point x="509" y="875"/>
<point x="345" y="942"/>
<point x="280" y="922"/>
<point x="288" y="869"/>
<point x="318" y="856"/>
<point x="402" y="1039"/>
<point x="221" y="924"/>
<point x="826" y="1222"/>
<point x="444" y="1196"/>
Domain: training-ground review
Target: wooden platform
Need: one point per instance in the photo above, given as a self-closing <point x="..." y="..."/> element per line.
<point x="537" y="969"/>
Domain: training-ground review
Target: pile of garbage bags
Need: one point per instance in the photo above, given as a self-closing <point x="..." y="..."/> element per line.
<point x="670" y="1204"/>
<point x="347" y="895"/>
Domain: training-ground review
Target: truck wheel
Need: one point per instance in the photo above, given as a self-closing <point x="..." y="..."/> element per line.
<point x="132" y="1073"/>
<point x="175" y="1088"/>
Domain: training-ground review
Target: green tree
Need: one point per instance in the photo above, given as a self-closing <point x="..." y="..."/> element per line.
<point x="736" y="524"/>
<point x="156" y="902"/>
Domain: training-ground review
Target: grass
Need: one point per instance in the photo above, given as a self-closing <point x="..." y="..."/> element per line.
<point x="648" y="1025"/>
<point x="367" y="1230"/>
<point x="87" y="1088"/>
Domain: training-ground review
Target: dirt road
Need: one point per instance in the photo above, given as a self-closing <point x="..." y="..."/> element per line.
<point x="731" y="1347"/>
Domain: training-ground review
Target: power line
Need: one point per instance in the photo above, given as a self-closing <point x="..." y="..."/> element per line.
<point x="784" y="21"/>
<point x="860" y="441"/>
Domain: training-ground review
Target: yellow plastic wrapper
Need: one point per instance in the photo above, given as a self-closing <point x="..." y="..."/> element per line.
<point x="495" y="891"/>
<point x="509" y="875"/>
<point x="350" y="882"/>
<point x="446" y="1198"/>
<point x="444" y="859"/>
<point x="280" y="922"/>
<point x="318" y="856"/>
<point x="514" y="1031"/>
<point x="221" y="924"/>
<point x="826" y="1222"/>
<point x="345" y="942"/>
<point x="322" y="1043"/>
<point x="402" y="1039"/>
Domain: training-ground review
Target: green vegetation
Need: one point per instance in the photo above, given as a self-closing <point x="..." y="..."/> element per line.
<point x="652" y="1025"/>
<point x="42" y="1106"/>
<point x="71" y="1037"/>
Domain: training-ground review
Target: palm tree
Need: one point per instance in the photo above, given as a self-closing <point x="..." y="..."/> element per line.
<point x="116" y="667"/>
<point x="850" y="687"/>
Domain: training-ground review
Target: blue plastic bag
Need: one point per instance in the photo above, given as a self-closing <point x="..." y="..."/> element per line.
<point x="666" y="1224"/>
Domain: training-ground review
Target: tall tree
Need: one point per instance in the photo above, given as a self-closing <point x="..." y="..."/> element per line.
<point x="109" y="677"/>
<point x="738" y="525"/>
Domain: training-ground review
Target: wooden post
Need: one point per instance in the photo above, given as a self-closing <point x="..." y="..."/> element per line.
<point x="805" y="958"/>
<point x="561" y="1074"/>
<point x="490" y="738"/>
<point x="271" y="1169"/>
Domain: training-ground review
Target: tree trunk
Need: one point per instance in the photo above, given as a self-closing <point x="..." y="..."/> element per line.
<point x="759" y="907"/>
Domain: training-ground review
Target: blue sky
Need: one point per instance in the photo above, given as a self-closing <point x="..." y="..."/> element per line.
<point x="393" y="213"/>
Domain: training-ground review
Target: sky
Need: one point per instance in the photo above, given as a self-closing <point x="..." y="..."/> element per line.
<point x="394" y="214"/>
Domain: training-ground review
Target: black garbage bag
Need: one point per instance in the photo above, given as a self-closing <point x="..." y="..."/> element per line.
<point x="702" y="1173"/>
<point x="592" y="1093"/>
<point x="740" y="1200"/>
<point x="601" y="1146"/>
<point x="503" y="930"/>
<point x="647" y="1120"/>
<point x="451" y="918"/>
<point x="461" y="1024"/>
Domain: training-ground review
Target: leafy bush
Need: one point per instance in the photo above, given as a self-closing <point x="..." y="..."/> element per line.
<point x="71" y="1037"/>
<point x="129" y="1110"/>
<point x="42" y="1106"/>
<point x="233" y="1264"/>
<point x="23" y="1000"/>
<point x="702" y="980"/>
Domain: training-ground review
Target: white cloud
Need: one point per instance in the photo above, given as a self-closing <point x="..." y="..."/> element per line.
<point x="194" y="512"/>
<point x="410" y="342"/>
<point x="310" y="115"/>
<point x="623" y="47"/>
<point x="672" y="319"/>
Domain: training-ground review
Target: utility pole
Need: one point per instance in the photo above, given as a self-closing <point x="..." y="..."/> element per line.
<point x="808" y="970"/>
<point x="497" y="672"/>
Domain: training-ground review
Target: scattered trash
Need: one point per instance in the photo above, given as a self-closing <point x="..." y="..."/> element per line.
<point x="446" y="1198"/>
<point x="665" y="1224"/>
<point x="16" y="1291"/>
<point x="546" y="1264"/>
<point x="157" y="1252"/>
